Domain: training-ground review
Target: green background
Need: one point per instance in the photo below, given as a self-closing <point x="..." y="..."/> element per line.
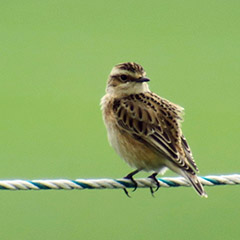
<point x="55" y="57"/>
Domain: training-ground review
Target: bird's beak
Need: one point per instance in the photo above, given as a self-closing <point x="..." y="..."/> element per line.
<point x="143" y="79"/>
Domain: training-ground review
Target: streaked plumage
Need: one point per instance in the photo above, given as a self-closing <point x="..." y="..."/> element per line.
<point x="145" y="129"/>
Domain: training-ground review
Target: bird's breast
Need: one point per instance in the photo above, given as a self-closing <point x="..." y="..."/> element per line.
<point x="134" y="152"/>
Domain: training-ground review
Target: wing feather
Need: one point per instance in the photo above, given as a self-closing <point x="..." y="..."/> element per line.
<point x="156" y="121"/>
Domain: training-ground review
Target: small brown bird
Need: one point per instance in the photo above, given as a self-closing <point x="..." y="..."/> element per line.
<point x="145" y="129"/>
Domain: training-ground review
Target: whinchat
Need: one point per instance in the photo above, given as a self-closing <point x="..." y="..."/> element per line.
<point x="144" y="128"/>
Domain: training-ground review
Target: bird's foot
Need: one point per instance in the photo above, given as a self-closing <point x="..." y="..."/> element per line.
<point x="153" y="177"/>
<point x="130" y="177"/>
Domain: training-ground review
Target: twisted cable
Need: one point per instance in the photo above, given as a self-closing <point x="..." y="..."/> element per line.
<point x="106" y="183"/>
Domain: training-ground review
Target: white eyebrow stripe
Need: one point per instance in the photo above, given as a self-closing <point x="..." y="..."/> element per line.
<point x="117" y="71"/>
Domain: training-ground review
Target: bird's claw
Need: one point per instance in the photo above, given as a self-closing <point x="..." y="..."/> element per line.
<point x="153" y="177"/>
<point x="130" y="177"/>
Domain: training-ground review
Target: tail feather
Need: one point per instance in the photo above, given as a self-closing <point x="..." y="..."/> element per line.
<point x="194" y="181"/>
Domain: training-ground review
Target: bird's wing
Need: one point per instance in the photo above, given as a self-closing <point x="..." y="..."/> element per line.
<point x="156" y="121"/>
<point x="188" y="153"/>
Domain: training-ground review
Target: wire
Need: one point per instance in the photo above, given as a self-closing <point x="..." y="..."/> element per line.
<point x="106" y="183"/>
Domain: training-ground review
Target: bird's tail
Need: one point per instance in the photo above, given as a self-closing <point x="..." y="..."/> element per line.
<point x="194" y="181"/>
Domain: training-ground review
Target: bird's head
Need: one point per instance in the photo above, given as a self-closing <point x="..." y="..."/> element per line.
<point x="127" y="78"/>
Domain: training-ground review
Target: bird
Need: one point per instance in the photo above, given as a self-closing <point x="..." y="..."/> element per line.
<point x="144" y="128"/>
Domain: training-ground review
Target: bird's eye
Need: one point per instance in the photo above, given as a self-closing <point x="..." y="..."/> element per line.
<point x="123" y="77"/>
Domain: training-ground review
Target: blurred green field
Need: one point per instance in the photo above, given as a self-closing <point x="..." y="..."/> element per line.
<point x="54" y="61"/>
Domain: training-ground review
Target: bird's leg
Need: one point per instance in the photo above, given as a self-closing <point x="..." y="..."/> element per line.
<point x="153" y="177"/>
<point x="130" y="177"/>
